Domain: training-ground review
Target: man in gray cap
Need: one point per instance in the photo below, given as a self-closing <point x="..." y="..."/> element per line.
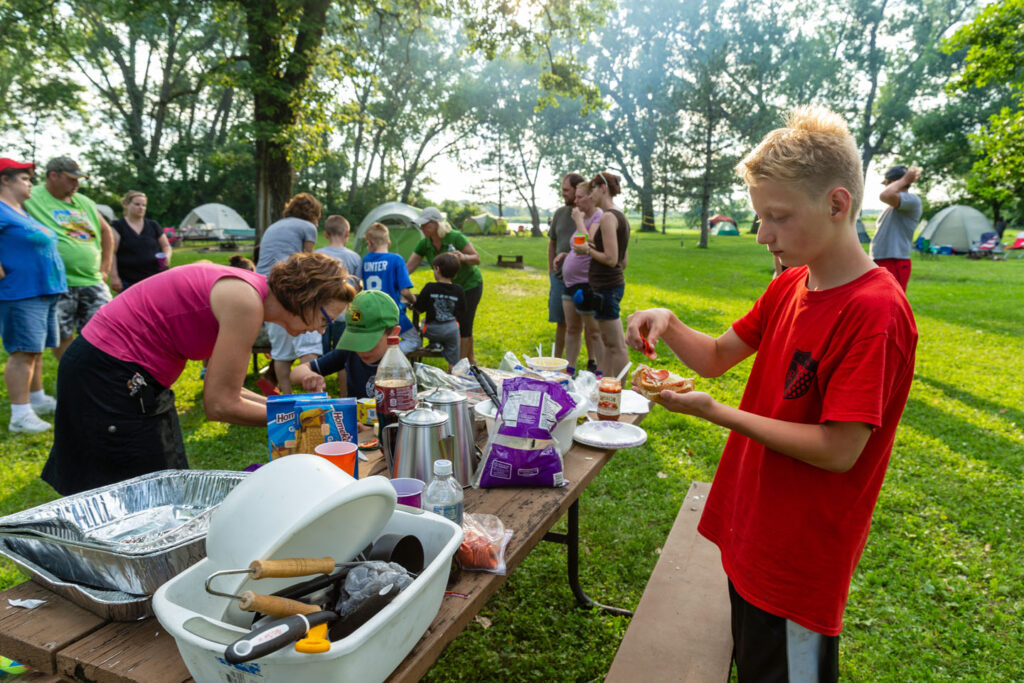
<point x="85" y="242"/>
<point x="894" y="236"/>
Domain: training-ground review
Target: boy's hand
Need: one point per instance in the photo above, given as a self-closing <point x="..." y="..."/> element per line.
<point x="696" y="403"/>
<point x="913" y="173"/>
<point x="314" y="383"/>
<point x="644" y="328"/>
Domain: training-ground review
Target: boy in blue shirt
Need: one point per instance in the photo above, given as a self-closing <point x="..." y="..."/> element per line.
<point x="386" y="272"/>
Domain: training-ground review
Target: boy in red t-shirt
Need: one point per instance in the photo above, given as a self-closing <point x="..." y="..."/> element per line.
<point x="791" y="503"/>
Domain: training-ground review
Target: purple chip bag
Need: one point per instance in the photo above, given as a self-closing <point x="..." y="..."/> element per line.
<point x="522" y="452"/>
<point x="530" y="408"/>
<point x="508" y="466"/>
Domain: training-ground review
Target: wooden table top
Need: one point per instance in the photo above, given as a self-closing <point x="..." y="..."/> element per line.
<point x="61" y="638"/>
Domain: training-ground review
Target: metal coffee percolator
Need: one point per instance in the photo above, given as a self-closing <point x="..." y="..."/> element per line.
<point x="460" y="421"/>
<point x="423" y="436"/>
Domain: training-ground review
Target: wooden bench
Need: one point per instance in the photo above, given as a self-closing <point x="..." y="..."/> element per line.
<point x="681" y="629"/>
<point x="258" y="351"/>
<point x="510" y="261"/>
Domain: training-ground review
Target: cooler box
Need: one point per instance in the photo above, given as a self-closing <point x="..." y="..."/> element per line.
<point x="303" y="506"/>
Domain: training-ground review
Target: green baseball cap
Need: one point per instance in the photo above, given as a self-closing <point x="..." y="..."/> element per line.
<point x="371" y="314"/>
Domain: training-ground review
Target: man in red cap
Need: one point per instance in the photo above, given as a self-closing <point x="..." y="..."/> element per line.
<point x="85" y="241"/>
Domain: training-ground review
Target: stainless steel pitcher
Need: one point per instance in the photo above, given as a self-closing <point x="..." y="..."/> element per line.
<point x="460" y="421"/>
<point x="424" y="436"/>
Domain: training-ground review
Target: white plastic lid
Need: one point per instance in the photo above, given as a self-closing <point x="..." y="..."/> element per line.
<point x="442" y="467"/>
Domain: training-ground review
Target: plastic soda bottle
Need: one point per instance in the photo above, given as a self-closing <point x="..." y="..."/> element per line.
<point x="394" y="387"/>
<point x="443" y="495"/>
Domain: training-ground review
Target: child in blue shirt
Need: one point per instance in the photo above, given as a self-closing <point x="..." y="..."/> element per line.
<point x="386" y="272"/>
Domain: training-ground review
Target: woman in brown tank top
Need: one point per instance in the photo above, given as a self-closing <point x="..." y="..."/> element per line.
<point x="607" y="251"/>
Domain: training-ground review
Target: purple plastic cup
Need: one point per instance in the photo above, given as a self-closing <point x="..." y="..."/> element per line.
<point x="409" y="491"/>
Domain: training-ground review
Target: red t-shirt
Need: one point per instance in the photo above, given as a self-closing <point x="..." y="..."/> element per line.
<point x="790" y="533"/>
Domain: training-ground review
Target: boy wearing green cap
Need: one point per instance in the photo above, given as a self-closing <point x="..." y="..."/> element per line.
<point x="369" y="320"/>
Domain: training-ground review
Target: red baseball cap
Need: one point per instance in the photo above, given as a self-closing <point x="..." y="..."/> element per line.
<point x="8" y="164"/>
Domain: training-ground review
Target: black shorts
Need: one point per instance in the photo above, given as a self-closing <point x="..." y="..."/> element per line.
<point x="473" y="297"/>
<point x="770" y="648"/>
<point x="102" y="433"/>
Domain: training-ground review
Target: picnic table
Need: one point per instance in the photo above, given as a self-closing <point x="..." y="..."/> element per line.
<point x="63" y="641"/>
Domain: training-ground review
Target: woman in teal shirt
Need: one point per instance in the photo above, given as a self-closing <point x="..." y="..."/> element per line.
<point x="439" y="237"/>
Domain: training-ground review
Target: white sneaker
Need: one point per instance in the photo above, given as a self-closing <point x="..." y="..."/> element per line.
<point x="45" y="407"/>
<point x="29" y="423"/>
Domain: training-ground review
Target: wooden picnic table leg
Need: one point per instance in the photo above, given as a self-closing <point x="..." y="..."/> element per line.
<point x="571" y="541"/>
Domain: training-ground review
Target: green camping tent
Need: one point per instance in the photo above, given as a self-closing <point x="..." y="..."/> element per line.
<point x="960" y="227"/>
<point x="484" y="224"/>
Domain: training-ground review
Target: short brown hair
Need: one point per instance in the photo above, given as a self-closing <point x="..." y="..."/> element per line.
<point x="337" y="226"/>
<point x="305" y="282"/>
<point x="814" y="151"/>
<point x="447" y="264"/>
<point x="377" y="234"/>
<point x="304" y="206"/>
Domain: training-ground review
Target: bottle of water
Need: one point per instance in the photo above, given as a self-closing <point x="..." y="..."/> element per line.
<point x="444" y="495"/>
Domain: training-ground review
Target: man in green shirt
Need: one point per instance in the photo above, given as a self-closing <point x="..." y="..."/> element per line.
<point x="85" y="242"/>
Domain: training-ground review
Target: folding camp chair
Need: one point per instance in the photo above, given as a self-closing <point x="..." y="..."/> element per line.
<point x="924" y="248"/>
<point x="985" y="246"/>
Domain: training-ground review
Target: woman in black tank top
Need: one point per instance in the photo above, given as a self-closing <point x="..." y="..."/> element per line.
<point x="607" y="253"/>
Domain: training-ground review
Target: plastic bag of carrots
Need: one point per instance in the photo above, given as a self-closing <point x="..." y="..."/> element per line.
<point x="484" y="538"/>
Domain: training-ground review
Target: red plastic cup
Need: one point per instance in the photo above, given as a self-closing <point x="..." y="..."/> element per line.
<point x="579" y="239"/>
<point x="409" y="491"/>
<point x="342" y="454"/>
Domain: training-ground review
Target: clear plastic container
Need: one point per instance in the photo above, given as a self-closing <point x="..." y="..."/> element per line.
<point x="443" y="495"/>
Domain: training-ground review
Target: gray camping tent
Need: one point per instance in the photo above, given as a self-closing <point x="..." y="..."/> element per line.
<point x="398" y="217"/>
<point x="958" y="226"/>
<point x="106" y="212"/>
<point x="215" y="222"/>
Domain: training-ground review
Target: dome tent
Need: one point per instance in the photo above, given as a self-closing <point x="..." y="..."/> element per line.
<point x="398" y="217"/>
<point x="484" y="224"/>
<point x="214" y="221"/>
<point x="958" y="226"/>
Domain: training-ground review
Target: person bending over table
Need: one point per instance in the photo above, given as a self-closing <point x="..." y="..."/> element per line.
<point x="116" y="417"/>
<point x="439" y="237"/>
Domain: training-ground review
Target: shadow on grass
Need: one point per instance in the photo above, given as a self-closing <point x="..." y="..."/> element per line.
<point x="965" y="438"/>
<point x="1009" y="413"/>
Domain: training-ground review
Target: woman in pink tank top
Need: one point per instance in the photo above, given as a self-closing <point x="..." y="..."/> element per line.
<point x="116" y="417"/>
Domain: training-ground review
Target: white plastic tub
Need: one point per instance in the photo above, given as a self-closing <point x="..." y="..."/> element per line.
<point x="204" y="625"/>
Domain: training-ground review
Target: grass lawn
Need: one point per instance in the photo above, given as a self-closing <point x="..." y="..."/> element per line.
<point x="939" y="593"/>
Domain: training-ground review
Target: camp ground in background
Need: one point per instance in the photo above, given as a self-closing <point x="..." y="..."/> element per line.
<point x="484" y="224"/>
<point x="960" y="228"/>
<point x="404" y="234"/>
<point x="214" y="222"/>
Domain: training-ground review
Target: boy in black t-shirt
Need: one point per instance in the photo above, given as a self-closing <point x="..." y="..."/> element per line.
<point x="443" y="302"/>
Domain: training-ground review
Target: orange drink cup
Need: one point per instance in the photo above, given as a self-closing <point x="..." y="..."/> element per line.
<point x="342" y="454"/>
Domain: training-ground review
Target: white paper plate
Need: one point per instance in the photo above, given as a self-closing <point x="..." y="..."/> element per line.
<point x="610" y="434"/>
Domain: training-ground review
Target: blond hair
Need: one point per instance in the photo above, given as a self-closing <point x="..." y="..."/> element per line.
<point x="377" y="234"/>
<point x="814" y="151"/>
<point x="129" y="196"/>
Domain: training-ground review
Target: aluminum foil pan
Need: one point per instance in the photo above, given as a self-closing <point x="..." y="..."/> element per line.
<point x="131" y="536"/>
<point x="112" y="605"/>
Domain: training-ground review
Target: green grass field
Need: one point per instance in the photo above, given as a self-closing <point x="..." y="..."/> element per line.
<point x="939" y="593"/>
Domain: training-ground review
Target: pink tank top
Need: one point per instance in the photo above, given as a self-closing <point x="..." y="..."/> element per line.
<point x="165" y="320"/>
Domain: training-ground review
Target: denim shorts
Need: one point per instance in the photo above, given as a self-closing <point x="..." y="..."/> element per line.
<point x="29" y="325"/>
<point x="78" y="305"/>
<point x="555" y="294"/>
<point x="585" y="304"/>
<point x="606" y="302"/>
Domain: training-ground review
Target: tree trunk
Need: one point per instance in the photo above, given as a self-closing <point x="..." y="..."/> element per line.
<point x="646" y="192"/>
<point x="705" y="193"/>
